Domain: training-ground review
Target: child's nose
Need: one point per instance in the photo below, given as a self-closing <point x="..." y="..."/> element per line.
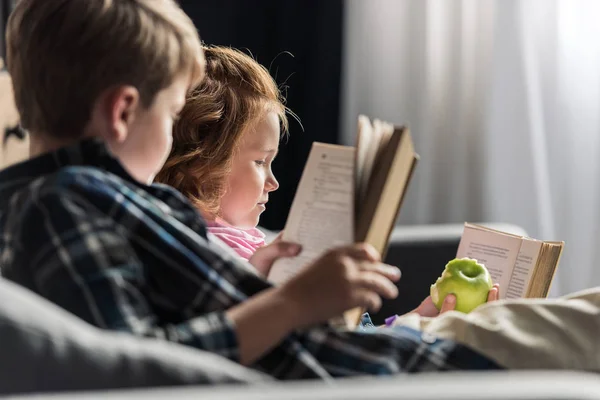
<point x="272" y="184"/>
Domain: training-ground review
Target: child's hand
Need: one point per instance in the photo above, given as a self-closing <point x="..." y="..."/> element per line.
<point x="264" y="258"/>
<point x="342" y="279"/>
<point x="428" y="309"/>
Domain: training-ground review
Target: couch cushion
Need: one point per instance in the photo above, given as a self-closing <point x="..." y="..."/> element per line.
<point x="44" y="348"/>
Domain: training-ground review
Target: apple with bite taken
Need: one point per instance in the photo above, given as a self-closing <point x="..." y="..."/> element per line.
<point x="466" y="279"/>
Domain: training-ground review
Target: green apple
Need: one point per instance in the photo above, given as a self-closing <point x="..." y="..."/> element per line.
<point x="467" y="279"/>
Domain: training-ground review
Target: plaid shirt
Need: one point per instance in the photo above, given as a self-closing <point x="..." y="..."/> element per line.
<point x="78" y="230"/>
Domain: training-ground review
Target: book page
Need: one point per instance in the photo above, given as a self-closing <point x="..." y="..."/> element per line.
<point x="372" y="147"/>
<point x="387" y="130"/>
<point x="497" y="251"/>
<point x="523" y="270"/>
<point x="322" y="213"/>
<point x="363" y="138"/>
<point x="544" y="270"/>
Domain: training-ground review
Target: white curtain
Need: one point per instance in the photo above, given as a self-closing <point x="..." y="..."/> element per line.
<point x="503" y="99"/>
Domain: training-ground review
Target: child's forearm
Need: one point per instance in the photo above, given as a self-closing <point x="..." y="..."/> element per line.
<point x="262" y="322"/>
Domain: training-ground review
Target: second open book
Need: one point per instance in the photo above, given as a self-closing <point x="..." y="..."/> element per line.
<point x="349" y="194"/>
<point x="523" y="267"/>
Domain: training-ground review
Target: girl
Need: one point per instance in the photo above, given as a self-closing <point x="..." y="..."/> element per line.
<point x="224" y="143"/>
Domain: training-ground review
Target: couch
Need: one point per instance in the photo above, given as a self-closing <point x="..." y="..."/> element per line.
<point x="538" y="385"/>
<point x="47" y="353"/>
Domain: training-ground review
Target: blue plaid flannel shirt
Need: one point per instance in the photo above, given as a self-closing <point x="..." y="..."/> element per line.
<point x="78" y="230"/>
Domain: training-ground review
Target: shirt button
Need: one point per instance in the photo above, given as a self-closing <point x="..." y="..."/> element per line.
<point x="428" y="338"/>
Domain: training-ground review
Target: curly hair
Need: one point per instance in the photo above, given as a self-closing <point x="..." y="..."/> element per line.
<point x="235" y="93"/>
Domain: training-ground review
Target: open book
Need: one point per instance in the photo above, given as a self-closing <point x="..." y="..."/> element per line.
<point x="523" y="267"/>
<point x="349" y="194"/>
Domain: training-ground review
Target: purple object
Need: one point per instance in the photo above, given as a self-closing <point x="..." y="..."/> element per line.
<point x="390" y="320"/>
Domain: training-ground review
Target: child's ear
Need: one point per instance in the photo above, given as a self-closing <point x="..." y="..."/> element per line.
<point x="13" y="146"/>
<point x="123" y="104"/>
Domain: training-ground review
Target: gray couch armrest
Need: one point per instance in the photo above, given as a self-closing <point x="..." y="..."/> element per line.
<point x="44" y="348"/>
<point x="538" y="385"/>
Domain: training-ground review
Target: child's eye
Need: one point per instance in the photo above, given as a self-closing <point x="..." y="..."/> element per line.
<point x="260" y="163"/>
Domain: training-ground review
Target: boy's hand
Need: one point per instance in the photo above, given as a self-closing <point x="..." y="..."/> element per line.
<point x="264" y="258"/>
<point x="428" y="309"/>
<point x="342" y="279"/>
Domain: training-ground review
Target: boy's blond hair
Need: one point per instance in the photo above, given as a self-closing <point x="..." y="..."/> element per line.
<point x="62" y="54"/>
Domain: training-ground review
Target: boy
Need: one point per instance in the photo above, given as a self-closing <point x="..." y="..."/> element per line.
<point x="81" y="226"/>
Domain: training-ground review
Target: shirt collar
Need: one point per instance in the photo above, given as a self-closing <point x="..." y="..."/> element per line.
<point x="91" y="152"/>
